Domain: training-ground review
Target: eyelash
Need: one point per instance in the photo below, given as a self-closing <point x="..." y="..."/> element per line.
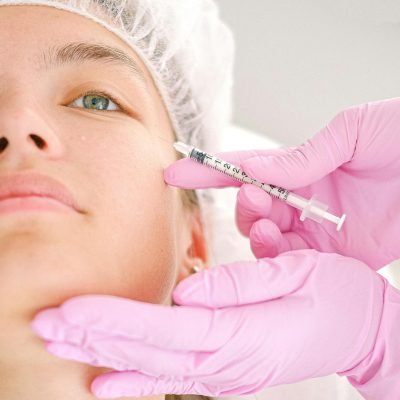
<point x="103" y="94"/>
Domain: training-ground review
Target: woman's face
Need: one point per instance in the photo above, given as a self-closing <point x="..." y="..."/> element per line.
<point x="132" y="234"/>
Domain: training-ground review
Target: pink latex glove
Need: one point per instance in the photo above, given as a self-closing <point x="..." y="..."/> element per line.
<point x="244" y="327"/>
<point x="353" y="165"/>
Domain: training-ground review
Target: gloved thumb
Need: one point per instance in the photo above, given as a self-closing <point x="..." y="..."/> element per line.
<point x="303" y="165"/>
<point x="247" y="282"/>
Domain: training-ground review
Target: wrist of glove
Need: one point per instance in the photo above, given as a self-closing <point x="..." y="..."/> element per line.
<point x="377" y="376"/>
<point x="239" y="328"/>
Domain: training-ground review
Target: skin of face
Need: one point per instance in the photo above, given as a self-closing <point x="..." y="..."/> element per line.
<point x="133" y="237"/>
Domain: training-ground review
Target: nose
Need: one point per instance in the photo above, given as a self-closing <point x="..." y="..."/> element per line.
<point x="27" y="132"/>
<point x="39" y="142"/>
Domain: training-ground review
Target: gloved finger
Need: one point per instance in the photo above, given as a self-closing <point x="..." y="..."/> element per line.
<point x="326" y="151"/>
<point x="96" y="318"/>
<point x="254" y="204"/>
<point x="124" y="355"/>
<point x="51" y="325"/>
<point x="244" y="283"/>
<point x="117" y="384"/>
<point x="189" y="174"/>
<point x="267" y="240"/>
<point x="74" y="353"/>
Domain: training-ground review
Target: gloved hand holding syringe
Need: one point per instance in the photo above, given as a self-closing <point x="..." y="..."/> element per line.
<point x="311" y="208"/>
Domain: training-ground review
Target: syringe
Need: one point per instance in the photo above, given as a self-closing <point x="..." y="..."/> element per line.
<point x="312" y="208"/>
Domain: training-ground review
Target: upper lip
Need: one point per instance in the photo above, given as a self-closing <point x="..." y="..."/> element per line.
<point x="34" y="184"/>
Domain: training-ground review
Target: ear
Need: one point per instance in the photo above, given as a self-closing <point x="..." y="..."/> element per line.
<point x="194" y="250"/>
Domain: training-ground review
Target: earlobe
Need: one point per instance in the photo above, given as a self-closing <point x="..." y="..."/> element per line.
<point x="195" y="254"/>
<point x="199" y="246"/>
<point x="197" y="251"/>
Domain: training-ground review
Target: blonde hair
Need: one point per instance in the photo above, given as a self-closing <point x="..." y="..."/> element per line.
<point x="186" y="397"/>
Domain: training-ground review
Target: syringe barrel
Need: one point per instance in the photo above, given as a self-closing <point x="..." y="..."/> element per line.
<point x="312" y="208"/>
<point x="296" y="201"/>
<point x="221" y="166"/>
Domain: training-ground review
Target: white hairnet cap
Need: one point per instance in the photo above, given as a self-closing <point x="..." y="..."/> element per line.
<point x="187" y="49"/>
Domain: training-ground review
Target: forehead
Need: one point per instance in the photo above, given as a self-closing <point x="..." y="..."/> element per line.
<point x="34" y="34"/>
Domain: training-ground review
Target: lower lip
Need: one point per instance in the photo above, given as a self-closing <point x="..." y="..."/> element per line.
<point x="32" y="203"/>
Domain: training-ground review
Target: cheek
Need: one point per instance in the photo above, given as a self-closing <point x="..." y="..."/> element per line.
<point x="134" y="219"/>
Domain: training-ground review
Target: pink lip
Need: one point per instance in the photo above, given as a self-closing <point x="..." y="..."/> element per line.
<point x="31" y="189"/>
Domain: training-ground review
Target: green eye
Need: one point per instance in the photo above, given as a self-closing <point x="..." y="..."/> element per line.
<point x="96" y="101"/>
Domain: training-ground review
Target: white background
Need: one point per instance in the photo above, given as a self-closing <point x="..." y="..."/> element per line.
<point x="298" y="63"/>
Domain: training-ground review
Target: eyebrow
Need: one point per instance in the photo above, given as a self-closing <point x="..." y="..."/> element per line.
<point x="78" y="52"/>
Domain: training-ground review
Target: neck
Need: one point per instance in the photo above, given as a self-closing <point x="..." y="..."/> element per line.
<point x="29" y="282"/>
<point x="28" y="371"/>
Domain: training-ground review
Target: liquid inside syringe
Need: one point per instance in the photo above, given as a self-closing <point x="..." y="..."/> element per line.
<point x="312" y="208"/>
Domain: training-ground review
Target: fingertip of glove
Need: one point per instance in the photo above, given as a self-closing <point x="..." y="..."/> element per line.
<point x="265" y="238"/>
<point x="100" y="389"/>
<point x="169" y="175"/>
<point x="265" y="229"/>
<point x="118" y="384"/>
<point x="188" y="292"/>
<point x="44" y="322"/>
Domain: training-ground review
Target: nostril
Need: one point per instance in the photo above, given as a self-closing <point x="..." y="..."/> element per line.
<point x="3" y="143"/>
<point x="38" y="141"/>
